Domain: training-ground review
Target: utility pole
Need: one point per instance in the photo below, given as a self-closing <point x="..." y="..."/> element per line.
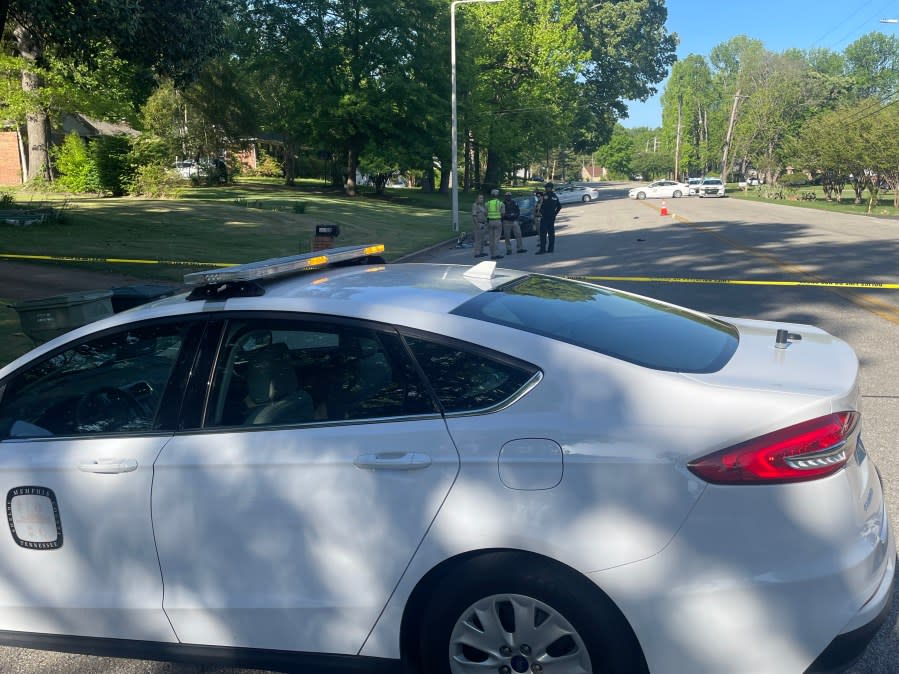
<point x="680" y="103"/>
<point x="730" y="131"/>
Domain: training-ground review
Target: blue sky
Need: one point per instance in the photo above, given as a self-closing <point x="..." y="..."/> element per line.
<point x="780" y="24"/>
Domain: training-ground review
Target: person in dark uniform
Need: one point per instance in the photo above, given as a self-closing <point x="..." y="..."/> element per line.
<point x="549" y="208"/>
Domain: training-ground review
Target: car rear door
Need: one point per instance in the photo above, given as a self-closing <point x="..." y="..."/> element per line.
<point x="286" y="519"/>
<point x="80" y="429"/>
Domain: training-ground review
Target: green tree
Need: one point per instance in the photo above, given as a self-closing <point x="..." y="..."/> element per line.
<point x="617" y="154"/>
<point x="872" y="63"/>
<point x="75" y="32"/>
<point x="687" y="103"/>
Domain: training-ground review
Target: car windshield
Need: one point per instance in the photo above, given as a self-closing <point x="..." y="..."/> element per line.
<point x="712" y="181"/>
<point x="634" y="329"/>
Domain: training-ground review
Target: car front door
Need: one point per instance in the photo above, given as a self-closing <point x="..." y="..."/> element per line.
<point x="286" y="520"/>
<point x="80" y="429"/>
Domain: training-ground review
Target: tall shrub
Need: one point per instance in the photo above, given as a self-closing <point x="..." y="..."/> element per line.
<point x="111" y="157"/>
<point x="77" y="169"/>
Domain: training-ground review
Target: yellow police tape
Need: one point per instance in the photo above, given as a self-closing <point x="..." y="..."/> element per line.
<point x="741" y="282"/>
<point x="113" y="260"/>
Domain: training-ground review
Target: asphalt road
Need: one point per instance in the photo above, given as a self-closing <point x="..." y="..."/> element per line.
<point x="717" y="240"/>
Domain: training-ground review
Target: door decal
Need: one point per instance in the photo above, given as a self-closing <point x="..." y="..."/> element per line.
<point x="33" y="516"/>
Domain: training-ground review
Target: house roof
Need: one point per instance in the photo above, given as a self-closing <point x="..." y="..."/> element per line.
<point x="91" y="128"/>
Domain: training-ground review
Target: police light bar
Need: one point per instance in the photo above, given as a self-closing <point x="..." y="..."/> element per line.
<point x="278" y="267"/>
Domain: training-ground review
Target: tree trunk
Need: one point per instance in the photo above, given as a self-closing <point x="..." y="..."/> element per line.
<point x="289" y="166"/>
<point x="427" y="179"/>
<point x="494" y="171"/>
<point x="729" y="136"/>
<point x="37" y="121"/>
<point x="352" y="163"/>
<point x="476" y="164"/>
<point x="445" y="170"/>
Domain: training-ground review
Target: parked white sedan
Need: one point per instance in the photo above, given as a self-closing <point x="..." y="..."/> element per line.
<point x="570" y="194"/>
<point x="309" y="463"/>
<point x="660" y="189"/>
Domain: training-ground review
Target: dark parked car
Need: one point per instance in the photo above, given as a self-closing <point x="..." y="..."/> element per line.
<point x="526" y="217"/>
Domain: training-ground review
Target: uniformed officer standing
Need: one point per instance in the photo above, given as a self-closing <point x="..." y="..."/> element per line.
<point x="549" y="208"/>
<point x="494" y="223"/>
<point x="478" y="225"/>
<point x="510" y="214"/>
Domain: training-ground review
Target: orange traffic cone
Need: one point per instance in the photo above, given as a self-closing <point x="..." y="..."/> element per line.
<point x="664" y="210"/>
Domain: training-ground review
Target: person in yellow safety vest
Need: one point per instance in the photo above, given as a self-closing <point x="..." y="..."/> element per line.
<point x="494" y="223"/>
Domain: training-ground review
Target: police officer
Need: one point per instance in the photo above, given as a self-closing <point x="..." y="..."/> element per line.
<point x="478" y="225"/>
<point x="549" y="208"/>
<point x="510" y="215"/>
<point x="494" y="223"/>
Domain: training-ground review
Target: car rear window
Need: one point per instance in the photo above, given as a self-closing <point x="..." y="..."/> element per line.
<point x="634" y="329"/>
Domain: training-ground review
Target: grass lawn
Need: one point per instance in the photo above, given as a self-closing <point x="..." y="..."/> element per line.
<point x="883" y="208"/>
<point x="250" y="220"/>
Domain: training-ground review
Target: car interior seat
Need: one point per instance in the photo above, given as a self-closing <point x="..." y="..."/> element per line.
<point x="273" y="388"/>
<point x="365" y="373"/>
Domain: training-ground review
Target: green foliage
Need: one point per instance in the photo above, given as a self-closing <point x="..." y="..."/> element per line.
<point x="7" y="200"/>
<point x="111" y="158"/>
<point x="616" y="155"/>
<point x="793" y="180"/>
<point x="148" y="149"/>
<point x="77" y="168"/>
<point x="155" y="181"/>
<point x="652" y="165"/>
<point x="266" y="166"/>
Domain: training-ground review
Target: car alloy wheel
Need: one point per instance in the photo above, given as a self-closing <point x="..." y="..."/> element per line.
<point x="586" y="199"/>
<point x="677" y="194"/>
<point x="641" y="195"/>
<point x="515" y="633"/>
<point x="512" y="612"/>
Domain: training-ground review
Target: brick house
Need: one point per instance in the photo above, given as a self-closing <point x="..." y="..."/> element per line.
<point x="12" y="158"/>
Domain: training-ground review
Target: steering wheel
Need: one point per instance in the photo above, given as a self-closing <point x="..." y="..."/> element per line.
<point x="106" y="408"/>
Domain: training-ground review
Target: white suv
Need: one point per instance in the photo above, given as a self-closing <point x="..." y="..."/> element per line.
<point x="711" y="187"/>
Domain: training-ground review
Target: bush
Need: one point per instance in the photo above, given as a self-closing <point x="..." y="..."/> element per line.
<point x="111" y="157"/>
<point x="7" y="200"/>
<point x="266" y="166"/>
<point x="793" y="180"/>
<point x="148" y="149"/>
<point x="77" y="169"/>
<point x="155" y="180"/>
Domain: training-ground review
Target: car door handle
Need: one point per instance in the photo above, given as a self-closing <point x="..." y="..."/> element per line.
<point x="393" y="461"/>
<point x="108" y="466"/>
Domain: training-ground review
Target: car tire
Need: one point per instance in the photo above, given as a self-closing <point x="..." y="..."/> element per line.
<point x="677" y="194"/>
<point x="641" y="195"/>
<point x="586" y="199"/>
<point x="508" y="586"/>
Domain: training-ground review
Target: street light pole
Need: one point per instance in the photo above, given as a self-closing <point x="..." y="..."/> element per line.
<point x="454" y="176"/>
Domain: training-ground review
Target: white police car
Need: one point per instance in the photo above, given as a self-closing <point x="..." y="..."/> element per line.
<point x="299" y="463"/>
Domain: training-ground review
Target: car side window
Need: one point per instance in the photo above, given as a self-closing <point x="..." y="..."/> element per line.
<point x="109" y="384"/>
<point x="281" y="372"/>
<point x="469" y="380"/>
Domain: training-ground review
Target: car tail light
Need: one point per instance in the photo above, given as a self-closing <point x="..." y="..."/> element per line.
<point x="802" y="452"/>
